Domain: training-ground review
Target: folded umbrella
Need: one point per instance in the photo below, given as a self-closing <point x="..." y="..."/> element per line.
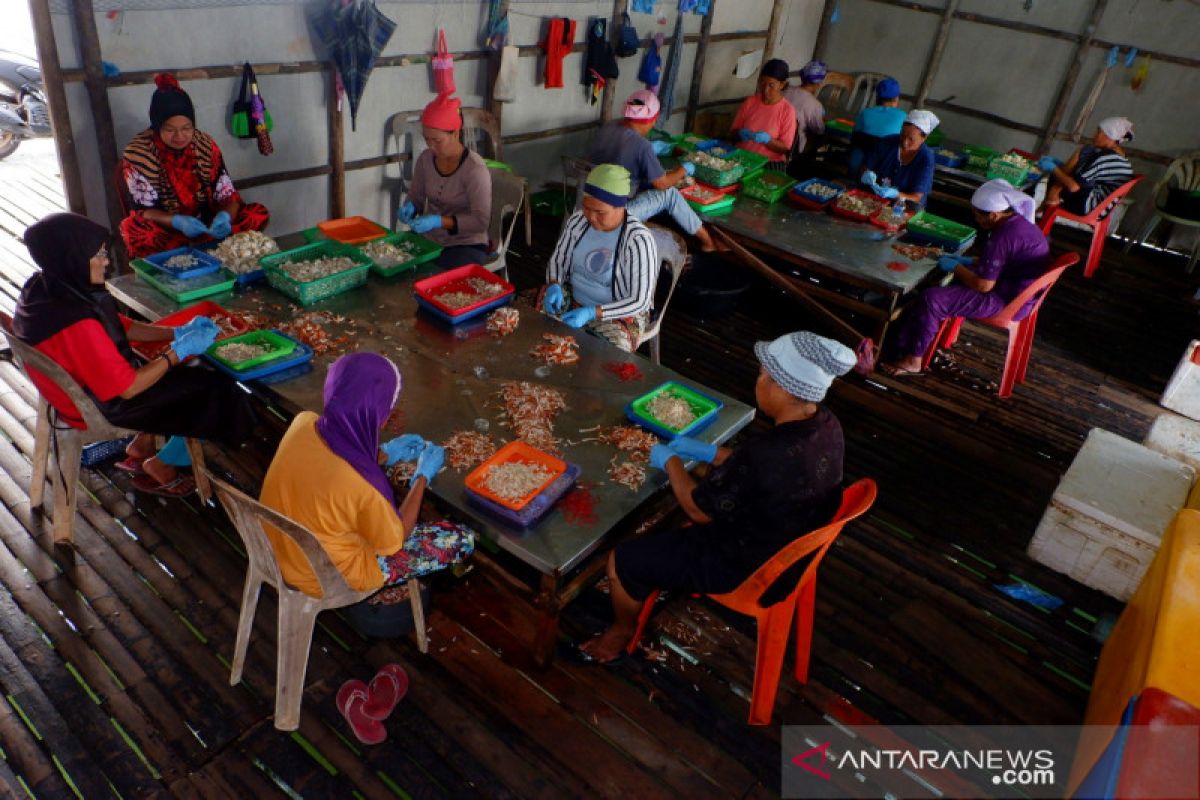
<point x="354" y="33"/>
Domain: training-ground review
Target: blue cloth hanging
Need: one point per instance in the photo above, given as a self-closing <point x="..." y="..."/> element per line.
<point x="666" y="94"/>
<point x="643" y="6"/>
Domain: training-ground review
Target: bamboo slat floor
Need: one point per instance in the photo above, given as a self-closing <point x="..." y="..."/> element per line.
<point x="114" y="673"/>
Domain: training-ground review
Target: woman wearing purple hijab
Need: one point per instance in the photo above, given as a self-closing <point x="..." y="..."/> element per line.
<point x="329" y="475"/>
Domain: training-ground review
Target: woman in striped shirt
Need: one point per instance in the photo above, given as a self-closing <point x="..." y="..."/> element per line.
<point x="605" y="265"/>
<point x="1093" y="172"/>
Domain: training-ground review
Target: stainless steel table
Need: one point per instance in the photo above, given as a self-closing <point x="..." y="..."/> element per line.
<point x="451" y="377"/>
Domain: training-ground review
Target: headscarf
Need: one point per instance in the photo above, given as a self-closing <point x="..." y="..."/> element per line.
<point x="925" y="121"/>
<point x="443" y="113"/>
<point x="361" y="390"/>
<point x="805" y="364"/>
<point x="608" y="183"/>
<point x="887" y="89"/>
<point x="169" y="100"/>
<point x="999" y="195"/>
<point x="642" y="106"/>
<point x="776" y="68"/>
<point x="62" y="293"/>
<point x="1119" y="129"/>
<point x="813" y="72"/>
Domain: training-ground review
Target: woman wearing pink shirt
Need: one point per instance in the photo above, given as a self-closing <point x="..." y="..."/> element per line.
<point x="766" y="123"/>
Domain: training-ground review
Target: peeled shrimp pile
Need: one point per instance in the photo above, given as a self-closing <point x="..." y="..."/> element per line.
<point x="241" y="251"/>
<point x="515" y="479"/>
<point x="672" y="411"/>
<point x="465" y="449"/>
<point x="181" y="262"/>
<point x="529" y="411"/>
<point x="402" y="473"/>
<point x="503" y="321"/>
<point x="858" y="204"/>
<point x="821" y="190"/>
<point x="316" y="268"/>
<point x="703" y="195"/>
<point x="630" y="439"/>
<point x="1014" y="160"/>
<point x="237" y="352"/>
<point x="916" y="252"/>
<point x="307" y="327"/>
<point x="476" y="289"/>
<point x="629" y="474"/>
<point x="557" y="350"/>
<point x="706" y="160"/>
<point x="386" y="254"/>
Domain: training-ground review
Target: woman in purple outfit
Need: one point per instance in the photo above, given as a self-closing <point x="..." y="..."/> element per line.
<point x="1015" y="253"/>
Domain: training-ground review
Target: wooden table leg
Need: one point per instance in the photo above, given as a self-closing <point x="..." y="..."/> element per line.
<point x="549" y="606"/>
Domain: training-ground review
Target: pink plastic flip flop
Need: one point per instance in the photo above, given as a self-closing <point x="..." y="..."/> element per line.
<point x="350" y="700"/>
<point x="131" y="465"/>
<point x="387" y="688"/>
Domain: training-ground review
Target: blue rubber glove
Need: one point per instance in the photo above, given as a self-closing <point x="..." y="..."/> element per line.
<point x="553" y="301"/>
<point x="222" y="225"/>
<point x="948" y="263"/>
<point x="578" y="317"/>
<point x="689" y="168"/>
<point x="403" y="448"/>
<point x="690" y="448"/>
<point x="407" y="212"/>
<point x="745" y="134"/>
<point x="887" y="192"/>
<point x="188" y="226"/>
<point x="197" y="324"/>
<point x="869" y="178"/>
<point x="193" y="343"/>
<point x="662" y="148"/>
<point x="762" y="137"/>
<point x="1048" y="163"/>
<point x="660" y="454"/>
<point x="426" y="223"/>
<point x="430" y="462"/>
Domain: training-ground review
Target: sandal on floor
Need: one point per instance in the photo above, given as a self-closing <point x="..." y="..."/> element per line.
<point x="387" y="688"/>
<point x="575" y="654"/>
<point x="350" y="701"/>
<point x="132" y="465"/>
<point x="892" y="371"/>
<point x="180" y="487"/>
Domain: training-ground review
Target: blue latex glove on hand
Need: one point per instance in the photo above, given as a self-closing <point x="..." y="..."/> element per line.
<point x="430" y="462"/>
<point x="403" y="448"/>
<point x="948" y="263"/>
<point x="578" y="317"/>
<point x="407" y="212"/>
<point x="762" y="137"/>
<point x="1048" y="163"/>
<point x="887" y="192"/>
<point x="745" y="134"/>
<point x="222" y="225"/>
<point x="869" y="178"/>
<point x="188" y="226"/>
<point x="196" y="324"/>
<point x="689" y="168"/>
<point x="193" y="342"/>
<point x="662" y="148"/>
<point x="660" y="454"/>
<point x="690" y="448"/>
<point x="426" y="223"/>
<point x="553" y="301"/>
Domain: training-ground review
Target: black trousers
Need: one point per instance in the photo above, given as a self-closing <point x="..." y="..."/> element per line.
<point x="188" y="401"/>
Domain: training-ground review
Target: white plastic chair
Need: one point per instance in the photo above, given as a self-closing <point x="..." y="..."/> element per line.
<point x="508" y="195"/>
<point x="1184" y="173"/>
<point x="672" y="253"/>
<point x="863" y="93"/>
<point x="297" y="610"/>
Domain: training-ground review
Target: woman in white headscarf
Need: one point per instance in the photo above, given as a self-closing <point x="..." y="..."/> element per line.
<point x="1094" y="172"/>
<point x="1015" y="253"/>
<point x="901" y="166"/>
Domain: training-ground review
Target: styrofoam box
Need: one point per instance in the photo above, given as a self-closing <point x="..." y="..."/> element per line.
<point x="1106" y="519"/>
<point x="1177" y="437"/>
<point x="1183" y="390"/>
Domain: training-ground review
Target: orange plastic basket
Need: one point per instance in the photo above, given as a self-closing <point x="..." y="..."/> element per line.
<point x="351" y="230"/>
<point x="514" y="452"/>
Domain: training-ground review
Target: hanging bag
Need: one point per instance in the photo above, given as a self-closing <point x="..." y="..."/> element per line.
<point x="651" y="70"/>
<point x="443" y="67"/>
<point x="505" y="90"/>
<point x="629" y="43"/>
<point x="239" y="119"/>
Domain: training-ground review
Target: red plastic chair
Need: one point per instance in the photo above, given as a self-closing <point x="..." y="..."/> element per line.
<point x="774" y="622"/>
<point x="1020" y="332"/>
<point x="1098" y="220"/>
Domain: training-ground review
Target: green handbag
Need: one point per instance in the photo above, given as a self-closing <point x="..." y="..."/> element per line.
<point x="240" y="124"/>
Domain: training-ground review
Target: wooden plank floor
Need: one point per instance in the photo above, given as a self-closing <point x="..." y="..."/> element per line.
<point x="114" y="673"/>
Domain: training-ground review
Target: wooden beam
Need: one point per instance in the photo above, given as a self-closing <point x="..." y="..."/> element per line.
<point x="698" y="66"/>
<point x="102" y="120"/>
<point x="773" y="29"/>
<point x="935" y="53"/>
<point x="337" y="152"/>
<point x="535" y="135"/>
<point x="614" y="39"/>
<point x="1054" y="119"/>
<point x="822" y="42"/>
<point x="56" y="96"/>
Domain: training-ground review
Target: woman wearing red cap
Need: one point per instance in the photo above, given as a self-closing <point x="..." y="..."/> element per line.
<point x="450" y="199"/>
<point x="174" y="184"/>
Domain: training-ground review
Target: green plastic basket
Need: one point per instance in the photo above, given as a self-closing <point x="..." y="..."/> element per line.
<point x="688" y="141"/>
<point x="549" y="202"/>
<point x="491" y="164"/>
<point x="770" y="187"/>
<point x="311" y="292"/>
<point x="657" y="135"/>
<point x="188" y="289"/>
<point x="705" y="408"/>
<point x="715" y="207"/>
<point x="1009" y="172"/>
<point x="753" y="162"/>
<point x="719" y="178"/>
<point x="936" y="138"/>
<point x="978" y="157"/>
<point x="277" y="347"/>
<point x="426" y="249"/>
<point x="941" y="229"/>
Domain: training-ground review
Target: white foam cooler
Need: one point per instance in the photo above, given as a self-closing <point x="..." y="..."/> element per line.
<point x="1106" y="519"/>
<point x="1182" y="394"/>
<point x="1177" y="437"/>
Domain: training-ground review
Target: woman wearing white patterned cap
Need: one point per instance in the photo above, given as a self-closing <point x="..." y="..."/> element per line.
<point x="757" y="498"/>
<point x="1094" y="172"/>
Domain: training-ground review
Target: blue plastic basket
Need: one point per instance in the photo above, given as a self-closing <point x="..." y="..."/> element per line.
<point x="472" y="314"/>
<point x="250" y="278"/>
<point x="208" y="263"/>
<point x="301" y="355"/>
<point x="99" y="452"/>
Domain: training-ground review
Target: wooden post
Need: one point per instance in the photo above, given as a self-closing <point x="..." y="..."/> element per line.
<point x="822" y="41"/>
<point x="495" y="107"/>
<point x="93" y="78"/>
<point x="614" y="37"/>
<point x="1069" y="80"/>
<point x="698" y="65"/>
<point x="56" y="96"/>
<point x="773" y="29"/>
<point x="935" y="54"/>
<point x="337" y="154"/>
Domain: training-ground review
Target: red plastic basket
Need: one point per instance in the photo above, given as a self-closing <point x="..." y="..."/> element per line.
<point x="837" y="210"/>
<point x="352" y="230"/>
<point x="205" y="308"/>
<point x="455" y="280"/>
<point x="883" y="218"/>
<point x="515" y="452"/>
<point x="690" y="194"/>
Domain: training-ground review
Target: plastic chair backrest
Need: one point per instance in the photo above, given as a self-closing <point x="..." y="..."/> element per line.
<point x="1184" y="171"/>
<point x="248" y="516"/>
<point x="1040" y="287"/>
<point x="835" y="91"/>
<point x="94" y="422"/>
<point x="1105" y="206"/>
<point x="481" y="132"/>
<point x="863" y="93"/>
<point x="508" y="193"/>
<point x="856" y="499"/>
<point x="672" y="256"/>
<point x="575" y="172"/>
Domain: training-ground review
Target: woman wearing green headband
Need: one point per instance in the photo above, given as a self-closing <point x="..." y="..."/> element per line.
<point x="605" y="265"/>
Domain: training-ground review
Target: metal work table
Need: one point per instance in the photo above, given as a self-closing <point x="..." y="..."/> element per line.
<point x="451" y="377"/>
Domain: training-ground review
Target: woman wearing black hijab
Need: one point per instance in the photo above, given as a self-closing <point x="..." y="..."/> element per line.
<point x="65" y="312"/>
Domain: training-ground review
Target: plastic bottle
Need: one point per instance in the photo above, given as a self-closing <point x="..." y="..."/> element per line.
<point x="897" y="218"/>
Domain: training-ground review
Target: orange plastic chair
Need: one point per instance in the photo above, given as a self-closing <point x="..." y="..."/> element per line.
<point x="1097" y="219"/>
<point x="1020" y="331"/>
<point x="774" y="622"/>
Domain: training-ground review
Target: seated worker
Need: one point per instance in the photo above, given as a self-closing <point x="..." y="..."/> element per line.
<point x="624" y="142"/>
<point x="1093" y="172"/>
<point x="1015" y="253"/>
<point x="605" y="264"/>
<point x="757" y="499"/>
<point x="765" y="123"/>
<point x="885" y="118"/>
<point x="901" y="166"/>
<point x="174" y="184"/>
<point x="450" y="198"/>
<point x="328" y="475"/>
<point x="810" y="114"/>
<point x="65" y="312"/>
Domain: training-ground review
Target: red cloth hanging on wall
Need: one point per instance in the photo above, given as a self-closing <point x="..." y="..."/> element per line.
<point x="560" y="38"/>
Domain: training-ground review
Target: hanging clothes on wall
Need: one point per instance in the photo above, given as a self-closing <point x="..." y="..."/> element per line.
<point x="560" y="38"/>
<point x="600" y="64"/>
<point x="628" y="40"/>
<point x="666" y="94"/>
<point x="643" y="6"/>
<point x="496" y="31"/>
